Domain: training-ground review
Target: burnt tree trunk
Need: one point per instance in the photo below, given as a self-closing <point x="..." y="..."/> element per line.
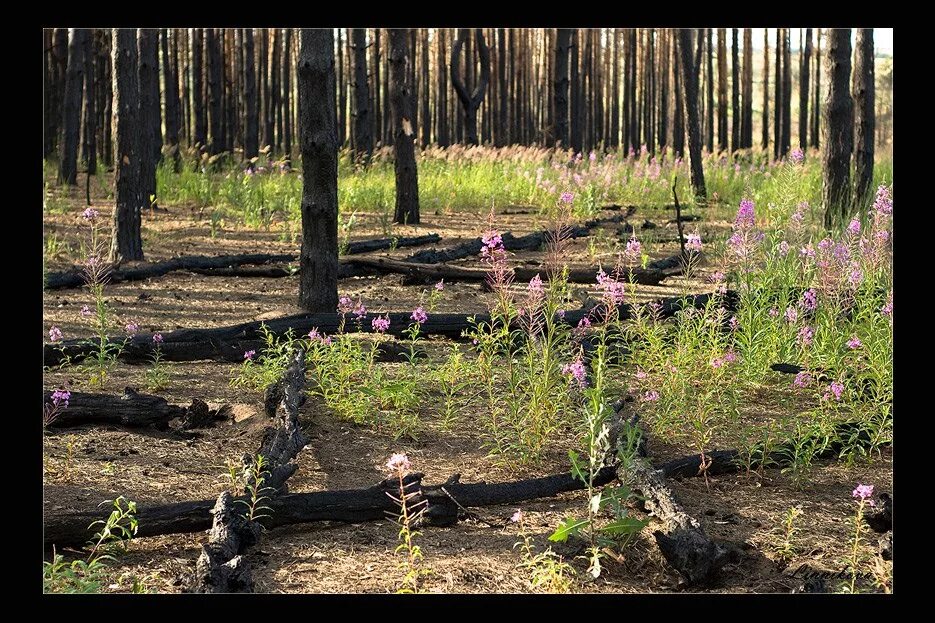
<point x="426" y="88"/>
<point x="343" y="69"/>
<point x="287" y="94"/>
<point x="709" y="88"/>
<point x="198" y="90"/>
<point x="764" y="141"/>
<point x="215" y="93"/>
<point x="318" y="284"/>
<point x="722" y="89"/>
<point x="363" y="117"/>
<point x="735" y="91"/>
<point x="89" y="143"/>
<point x="148" y="42"/>
<point x="864" y="86"/>
<point x="804" y="72"/>
<point x="441" y="108"/>
<point x="58" y="65"/>
<point x="503" y="131"/>
<point x="407" y="181"/>
<point x="266" y="93"/>
<point x="470" y="102"/>
<point x="575" y="111"/>
<point x="816" y="101"/>
<point x="173" y="113"/>
<point x="678" y="121"/>
<point x="746" y="125"/>
<point x="375" y="59"/>
<point x="786" y="93"/>
<point x="690" y="78"/>
<point x="127" y="242"/>
<point x="251" y="126"/>
<point x="275" y="66"/>
<point x="778" y="98"/>
<point x="71" y="117"/>
<point x="560" y="85"/>
<point x="838" y="127"/>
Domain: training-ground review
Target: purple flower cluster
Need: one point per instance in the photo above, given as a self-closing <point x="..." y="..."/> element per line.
<point x="836" y="389"/>
<point x="90" y="214"/>
<point x="796" y="156"/>
<point x="55" y="334"/>
<point x="249" y="355"/>
<point x="493" y="250"/>
<point x="612" y="290"/>
<point x="802" y="379"/>
<point x="60" y="398"/>
<point x="535" y="286"/>
<point x="360" y="310"/>
<point x="399" y="462"/>
<point x="345" y="304"/>
<point x="792" y="316"/>
<point x="746" y="216"/>
<point x="634" y="250"/>
<point x="805" y="337"/>
<point x="854" y="343"/>
<point x="132" y="328"/>
<point x="693" y="242"/>
<point x="651" y="396"/>
<point x="863" y="492"/>
<point x="86" y="311"/>
<point x="567" y="198"/>
<point x="745" y="237"/>
<point x="440" y="285"/>
<point x="380" y="324"/>
<point x="577" y="371"/>
<point x="419" y="316"/>
<point x="809" y="300"/>
<point x="157" y="338"/>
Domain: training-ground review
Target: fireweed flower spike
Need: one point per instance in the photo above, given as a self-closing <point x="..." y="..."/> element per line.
<point x="60" y="397"/>
<point x="132" y="328"/>
<point x="249" y="354"/>
<point x="55" y="334"/>
<point x="517" y="516"/>
<point x="567" y="197"/>
<point x="90" y="214"/>
<point x="440" y="285"/>
<point x="381" y="324"/>
<point x="157" y="338"/>
<point x="854" y="343"/>
<point x="863" y="492"/>
<point x="693" y="242"/>
<point x="577" y="371"/>
<point x="419" y="315"/>
<point x="398" y="463"/>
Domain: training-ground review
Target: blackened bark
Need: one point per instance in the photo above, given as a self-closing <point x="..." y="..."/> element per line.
<point x="560" y="84"/>
<point x="503" y="131"/>
<point x="106" y="60"/>
<point x="709" y="88"/>
<point x="722" y="89"/>
<point x="413" y="82"/>
<point x="778" y="98"/>
<point x="215" y="93"/>
<point x="804" y="71"/>
<point x="441" y="108"/>
<point x="470" y="102"/>
<point x="864" y="95"/>
<point x="47" y="96"/>
<point x="746" y="125"/>
<point x="663" y="129"/>
<point x="198" y="89"/>
<point x="268" y="116"/>
<point x="74" y="81"/>
<point x="173" y="116"/>
<point x="615" y="92"/>
<point x="735" y="91"/>
<point x="363" y="119"/>
<point x="424" y="71"/>
<point x="407" y="181"/>
<point x="251" y="126"/>
<point x="376" y="59"/>
<point x="127" y="243"/>
<point x="816" y="101"/>
<point x="765" y="135"/>
<point x="575" y="83"/>
<point x="678" y="122"/>
<point x="318" y="282"/>
<point x="786" y="93"/>
<point x="58" y="61"/>
<point x="287" y="94"/>
<point x="838" y="116"/>
<point x="690" y="77"/>
<point x="342" y="86"/>
<point x="148" y="40"/>
<point x="275" y="136"/>
<point x="89" y="143"/>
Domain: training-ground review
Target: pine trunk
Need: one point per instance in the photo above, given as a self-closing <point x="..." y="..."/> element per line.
<point x="690" y="78"/>
<point x="71" y="117"/>
<point x="839" y="128"/>
<point x="407" y="182"/>
<point x="363" y="118"/>
<point x="127" y="242"/>
<point x="722" y="89"/>
<point x="864" y="120"/>
<point x="150" y="124"/>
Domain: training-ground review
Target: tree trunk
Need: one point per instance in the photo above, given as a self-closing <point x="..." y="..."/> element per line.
<point x="690" y="78"/>
<point x="343" y="70"/>
<point x="816" y="101"/>
<point x="560" y="84"/>
<point x="786" y="93"/>
<point x="215" y="95"/>
<point x="198" y="89"/>
<point x="275" y="113"/>
<point x="470" y="102"/>
<point x="765" y="135"/>
<point x="663" y="129"/>
<point x="503" y="131"/>
<point x="746" y="129"/>
<point x="268" y="116"/>
<point x="575" y="84"/>
<point x="838" y="122"/>
<point x="74" y="81"/>
<point x="127" y="242"/>
<point x="426" y="88"/>
<point x="251" y="125"/>
<point x="709" y="109"/>
<point x="58" y="61"/>
<point x="318" y="283"/>
<point x="735" y="91"/>
<point x="407" y="181"/>
<point x="173" y="116"/>
<point x="89" y="143"/>
<point x="722" y="89"/>
<point x="287" y="95"/>
<point x="778" y="100"/>
<point x="441" y="107"/>
<point x="804" y="71"/>
<point x="363" y="119"/>
<point x="377" y="85"/>
<point x="678" y="121"/>
<point x="148" y="42"/>
<point x="47" y="92"/>
<point x="864" y="95"/>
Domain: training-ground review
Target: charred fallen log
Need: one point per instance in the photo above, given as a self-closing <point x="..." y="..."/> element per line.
<point x="131" y="410"/>
<point x="217" y="265"/>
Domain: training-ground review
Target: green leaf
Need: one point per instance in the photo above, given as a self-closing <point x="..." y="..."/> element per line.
<point x="576" y="470"/>
<point x="567" y="528"/>
<point x="624" y="526"/>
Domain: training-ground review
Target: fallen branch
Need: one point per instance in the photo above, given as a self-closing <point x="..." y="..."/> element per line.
<point x="229" y="343"/>
<point x="216" y="265"/>
<point x="132" y="410"/>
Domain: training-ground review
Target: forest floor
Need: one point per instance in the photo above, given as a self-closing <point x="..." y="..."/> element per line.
<point x="83" y="466"/>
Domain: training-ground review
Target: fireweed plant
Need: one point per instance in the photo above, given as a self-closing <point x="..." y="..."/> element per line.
<point x="856" y="559"/>
<point x="547" y="570"/>
<point x="410" y="513"/>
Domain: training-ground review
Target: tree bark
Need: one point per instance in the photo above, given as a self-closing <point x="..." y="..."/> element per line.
<point x="765" y="136"/>
<point x="198" y="89"/>
<point x="58" y="61"/>
<point x="318" y="284"/>
<point x="778" y="100"/>
<point x="470" y="102"/>
<point x="441" y="108"/>
<point x="74" y="81"/>
<point x="150" y="123"/>
<point x="127" y="242"/>
<point x="275" y="83"/>
<point x="816" y="101"/>
<point x="426" y="88"/>
<point x="864" y="118"/>
<point x="709" y="84"/>
<point x="746" y="129"/>
<point x="407" y="181"/>
<point x="838" y="124"/>
<point x="251" y="125"/>
<point x="786" y="93"/>
<point x="215" y="94"/>
<point x="560" y="85"/>
<point x="173" y="114"/>
<point x="131" y="410"/>
<point x="363" y="119"/>
<point x="287" y="95"/>
<point x="722" y="89"/>
<point x="678" y="121"/>
<point x="804" y="72"/>
<point x="89" y="144"/>
<point x="735" y="91"/>
<point x="690" y="78"/>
